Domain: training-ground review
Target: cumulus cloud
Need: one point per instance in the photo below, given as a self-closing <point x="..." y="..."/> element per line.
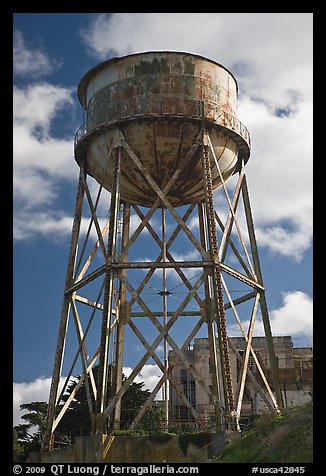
<point x="30" y="61"/>
<point x="149" y="374"/>
<point x="28" y="225"/>
<point x="55" y="223"/>
<point x="290" y="243"/>
<point x="280" y="166"/>
<point x="265" y="52"/>
<point x="36" y="106"/>
<point x="25" y="392"/>
<point x="294" y="317"/>
<point x="190" y="273"/>
<point x="40" y="159"/>
<point x="280" y="177"/>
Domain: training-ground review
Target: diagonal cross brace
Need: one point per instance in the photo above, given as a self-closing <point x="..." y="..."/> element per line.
<point x="230" y="205"/>
<point x="168" y="186"/>
<point x="162" y="196"/>
<point x="168" y="244"/>
<point x="162" y="380"/>
<point x="232" y="305"/>
<point x="164" y="331"/>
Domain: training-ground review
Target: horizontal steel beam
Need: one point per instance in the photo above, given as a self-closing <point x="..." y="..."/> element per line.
<point x="227" y="305"/>
<point x="158" y="265"/>
<point x="162" y="264"/>
<point x="170" y="314"/>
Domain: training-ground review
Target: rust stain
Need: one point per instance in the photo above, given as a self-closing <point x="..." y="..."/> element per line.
<point x="173" y="90"/>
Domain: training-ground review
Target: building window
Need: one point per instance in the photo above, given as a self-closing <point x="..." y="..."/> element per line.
<point x="188" y="385"/>
<point x="183" y="375"/>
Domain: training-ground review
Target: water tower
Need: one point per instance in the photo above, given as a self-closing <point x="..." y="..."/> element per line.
<point x="161" y="134"/>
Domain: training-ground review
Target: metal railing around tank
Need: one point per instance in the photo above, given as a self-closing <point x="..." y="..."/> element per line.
<point x="215" y="113"/>
<point x="81" y="132"/>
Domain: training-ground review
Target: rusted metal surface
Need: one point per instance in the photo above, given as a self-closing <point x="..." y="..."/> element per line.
<point x="122" y="316"/>
<point x="48" y="441"/>
<point x="102" y="379"/>
<point x="230" y="205"/>
<point x="233" y="303"/>
<point x="217" y="285"/>
<point x="211" y="329"/>
<point x="246" y="358"/>
<point x="165" y="389"/>
<point x="160" y="101"/>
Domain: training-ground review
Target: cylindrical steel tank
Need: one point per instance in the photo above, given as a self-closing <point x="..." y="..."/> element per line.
<point x="160" y="100"/>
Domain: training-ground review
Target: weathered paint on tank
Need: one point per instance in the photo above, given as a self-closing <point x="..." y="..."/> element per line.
<point x="156" y="146"/>
<point x="160" y="100"/>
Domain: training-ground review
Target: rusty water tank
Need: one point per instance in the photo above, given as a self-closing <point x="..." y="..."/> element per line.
<point x="160" y="100"/>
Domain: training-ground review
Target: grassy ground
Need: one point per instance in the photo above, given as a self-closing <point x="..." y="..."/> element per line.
<point x="282" y="439"/>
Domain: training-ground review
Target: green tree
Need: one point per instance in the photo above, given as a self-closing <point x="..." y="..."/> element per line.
<point x="153" y="419"/>
<point x="17" y="448"/>
<point x="77" y="421"/>
<point x="131" y="402"/>
<point x="22" y="433"/>
<point x="35" y="418"/>
<point x="28" y="436"/>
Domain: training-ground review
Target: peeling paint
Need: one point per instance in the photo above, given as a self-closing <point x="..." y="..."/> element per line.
<point x="160" y="100"/>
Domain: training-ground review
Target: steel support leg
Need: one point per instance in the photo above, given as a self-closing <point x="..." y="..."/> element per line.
<point x="48" y="436"/>
<point x="209" y="313"/>
<point x="122" y="318"/>
<point x="103" y="370"/>
<point x="263" y="303"/>
<point x="217" y="287"/>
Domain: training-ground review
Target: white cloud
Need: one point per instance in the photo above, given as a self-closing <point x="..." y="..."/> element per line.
<point x="280" y="177"/>
<point x="31" y="188"/>
<point x="269" y="51"/>
<point x="190" y="255"/>
<point x="149" y="374"/>
<point x="286" y="242"/>
<point x="281" y="161"/>
<point x="40" y="160"/>
<point x="30" y="224"/>
<point x="193" y="223"/>
<point x="57" y="224"/>
<point x="135" y="222"/>
<point x="294" y="317"/>
<point x="32" y="62"/>
<point x="50" y="157"/>
<point x="27" y="392"/>
<point x="35" y="106"/>
<point x="34" y="110"/>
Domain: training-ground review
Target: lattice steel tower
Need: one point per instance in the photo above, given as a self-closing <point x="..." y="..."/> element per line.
<point x="161" y="134"/>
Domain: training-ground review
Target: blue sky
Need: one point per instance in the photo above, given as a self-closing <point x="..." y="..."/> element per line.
<point x="271" y="57"/>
